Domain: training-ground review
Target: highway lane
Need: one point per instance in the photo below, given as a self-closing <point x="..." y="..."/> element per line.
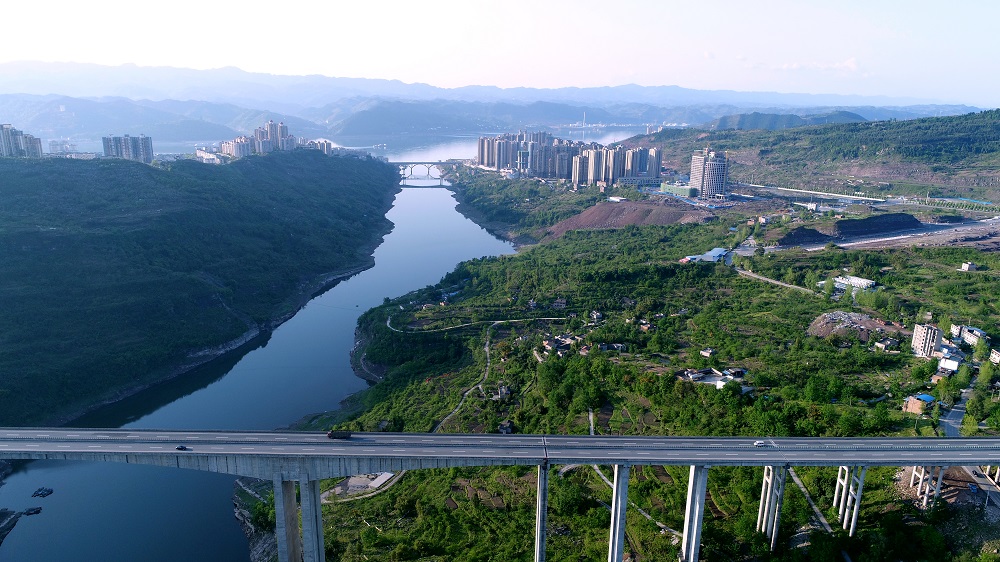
<point x="561" y="449"/>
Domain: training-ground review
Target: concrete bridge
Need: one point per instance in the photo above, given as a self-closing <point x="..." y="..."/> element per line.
<point x="287" y="458"/>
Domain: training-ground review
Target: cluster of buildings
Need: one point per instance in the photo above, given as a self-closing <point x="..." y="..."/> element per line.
<point x="18" y="144"/>
<point x="272" y="136"/>
<point x="541" y="155"/>
<point x="138" y="148"/>
<point x="928" y="341"/>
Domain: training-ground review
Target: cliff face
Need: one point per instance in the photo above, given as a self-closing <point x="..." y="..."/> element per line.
<point x="263" y="545"/>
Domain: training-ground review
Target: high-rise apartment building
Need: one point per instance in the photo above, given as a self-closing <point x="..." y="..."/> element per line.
<point x="17" y="144"/>
<point x="926" y="340"/>
<point x="138" y="148"/>
<point x="709" y="174"/>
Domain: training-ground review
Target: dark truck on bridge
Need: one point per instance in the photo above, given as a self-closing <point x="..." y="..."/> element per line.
<point x="338" y="434"/>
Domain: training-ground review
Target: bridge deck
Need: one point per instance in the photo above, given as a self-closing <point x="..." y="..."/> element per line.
<point x="254" y="453"/>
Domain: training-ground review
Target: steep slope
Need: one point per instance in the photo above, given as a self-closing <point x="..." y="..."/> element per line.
<point x="115" y="272"/>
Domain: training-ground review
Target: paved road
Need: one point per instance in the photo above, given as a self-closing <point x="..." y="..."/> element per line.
<point x="582" y="449"/>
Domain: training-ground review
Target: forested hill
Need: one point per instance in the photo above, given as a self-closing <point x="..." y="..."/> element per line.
<point x="959" y="151"/>
<point x="113" y="272"/>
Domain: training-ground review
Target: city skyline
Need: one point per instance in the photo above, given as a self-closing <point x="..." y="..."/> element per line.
<point x="918" y="50"/>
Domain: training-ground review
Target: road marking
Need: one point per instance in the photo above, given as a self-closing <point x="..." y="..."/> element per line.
<point x="459" y="451"/>
<point x="72" y="435"/>
<point x="40" y="435"/>
<point x="93" y="446"/>
<point x="489" y="450"/>
<point x="335" y="449"/>
<point x="308" y="449"/>
<point x="398" y="450"/>
<point x="642" y="453"/>
<point x="157" y="447"/>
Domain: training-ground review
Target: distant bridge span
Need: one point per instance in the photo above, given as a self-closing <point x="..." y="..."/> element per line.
<point x="286" y="457"/>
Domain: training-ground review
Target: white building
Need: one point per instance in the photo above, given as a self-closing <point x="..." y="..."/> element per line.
<point x="926" y="340"/>
<point x="709" y="174"/>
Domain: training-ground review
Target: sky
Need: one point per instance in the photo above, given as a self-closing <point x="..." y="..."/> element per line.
<point x="938" y="51"/>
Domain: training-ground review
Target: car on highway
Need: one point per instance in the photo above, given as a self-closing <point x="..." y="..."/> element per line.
<point x="181" y="448"/>
<point x="759" y="443"/>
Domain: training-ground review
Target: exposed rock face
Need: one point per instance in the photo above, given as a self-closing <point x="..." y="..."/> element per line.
<point x="263" y="545"/>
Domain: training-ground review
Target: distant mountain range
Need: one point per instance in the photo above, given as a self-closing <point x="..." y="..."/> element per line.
<point x="86" y="101"/>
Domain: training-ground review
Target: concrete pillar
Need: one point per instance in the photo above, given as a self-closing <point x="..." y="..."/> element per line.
<point x="845" y="489"/>
<point x="857" y="500"/>
<point x="541" y="511"/>
<point x="771" y="497"/>
<point x="694" y="513"/>
<point x="312" y="522"/>
<point x="619" y="505"/>
<point x="937" y="486"/>
<point x="286" y="521"/>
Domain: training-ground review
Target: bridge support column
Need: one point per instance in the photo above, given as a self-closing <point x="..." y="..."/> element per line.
<point x="541" y="511"/>
<point x="937" y="485"/>
<point x="313" y="547"/>
<point x="772" y="493"/>
<point x="619" y="505"/>
<point x="847" y="495"/>
<point x="694" y="513"/>
<point x="286" y="521"/>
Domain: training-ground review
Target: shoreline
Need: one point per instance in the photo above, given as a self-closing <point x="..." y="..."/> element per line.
<point x="306" y="293"/>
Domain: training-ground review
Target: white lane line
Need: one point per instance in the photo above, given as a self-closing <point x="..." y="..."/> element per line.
<point x="398" y="450"/>
<point x="458" y="451"/>
<point x="72" y="435"/>
<point x="220" y="436"/>
<point x="155" y="447"/>
<point x="643" y="453"/>
<point x="93" y="446"/>
<point x="281" y="439"/>
<point x="335" y="449"/>
<point x="308" y="449"/>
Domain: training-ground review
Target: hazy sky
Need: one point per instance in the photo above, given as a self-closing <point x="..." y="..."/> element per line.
<point x="935" y="50"/>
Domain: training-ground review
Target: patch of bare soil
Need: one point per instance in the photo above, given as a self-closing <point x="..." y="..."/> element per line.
<point x="845" y="324"/>
<point x="617" y="215"/>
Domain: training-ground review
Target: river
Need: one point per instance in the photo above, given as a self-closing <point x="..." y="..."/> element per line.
<point x="113" y="512"/>
<point x="107" y="511"/>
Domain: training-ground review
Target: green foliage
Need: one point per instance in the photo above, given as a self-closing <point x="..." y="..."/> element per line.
<point x="525" y="206"/>
<point x="114" y="271"/>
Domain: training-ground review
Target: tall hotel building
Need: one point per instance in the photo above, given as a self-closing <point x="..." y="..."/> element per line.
<point x="709" y="173"/>
<point x="926" y="340"/>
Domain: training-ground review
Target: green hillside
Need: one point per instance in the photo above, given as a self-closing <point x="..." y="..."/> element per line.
<point x="113" y="271"/>
<point x="955" y="155"/>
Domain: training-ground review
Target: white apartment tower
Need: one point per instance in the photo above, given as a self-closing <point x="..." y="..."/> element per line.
<point x="926" y="340"/>
<point x="709" y="173"/>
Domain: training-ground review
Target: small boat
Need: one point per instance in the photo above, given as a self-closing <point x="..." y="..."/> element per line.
<point x="33" y="511"/>
<point x="42" y="493"/>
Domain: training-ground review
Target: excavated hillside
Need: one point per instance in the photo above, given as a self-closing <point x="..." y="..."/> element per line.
<point x="848" y="228"/>
<point x="617" y="215"/>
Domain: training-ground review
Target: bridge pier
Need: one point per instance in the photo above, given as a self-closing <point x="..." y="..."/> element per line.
<point x="541" y="511"/>
<point x="847" y="495"/>
<point x="309" y="547"/>
<point x="619" y="505"/>
<point x="313" y="548"/>
<point x="286" y="520"/>
<point x="772" y="494"/>
<point x="923" y="480"/>
<point x="694" y="513"/>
